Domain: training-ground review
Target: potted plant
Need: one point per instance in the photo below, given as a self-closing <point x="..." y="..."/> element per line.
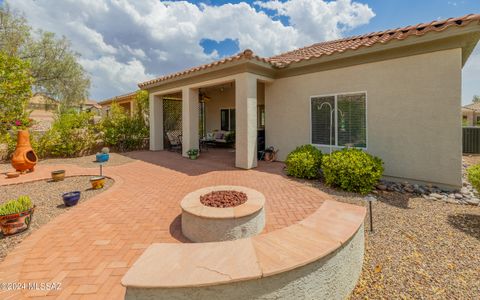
<point x="192" y="153"/>
<point x="16" y="215"/>
<point x="97" y="182"/>
<point x="71" y="198"/>
<point x="104" y="155"/>
<point x="58" y="175"/>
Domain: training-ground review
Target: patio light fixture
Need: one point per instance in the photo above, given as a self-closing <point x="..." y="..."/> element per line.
<point x="370" y="199"/>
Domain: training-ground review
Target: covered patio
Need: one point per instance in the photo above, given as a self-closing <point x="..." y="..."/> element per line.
<point x="229" y="109"/>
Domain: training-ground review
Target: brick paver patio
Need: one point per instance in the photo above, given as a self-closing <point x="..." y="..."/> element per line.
<point x="89" y="248"/>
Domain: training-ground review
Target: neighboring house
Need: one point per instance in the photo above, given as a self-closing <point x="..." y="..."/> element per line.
<point x="126" y="101"/>
<point x="91" y="106"/>
<point x="394" y="93"/>
<point x="42" y="110"/>
<point x="471" y="114"/>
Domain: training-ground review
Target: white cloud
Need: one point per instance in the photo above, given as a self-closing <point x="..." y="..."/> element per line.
<point x="109" y="74"/>
<point x="319" y="20"/>
<point x="123" y="42"/>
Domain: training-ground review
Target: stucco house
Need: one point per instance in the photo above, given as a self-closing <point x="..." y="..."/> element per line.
<point x="126" y="101"/>
<point x="394" y="93"/>
<point x="471" y="114"/>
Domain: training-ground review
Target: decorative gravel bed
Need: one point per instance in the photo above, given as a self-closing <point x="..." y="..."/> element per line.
<point x="46" y="195"/>
<point x="223" y="199"/>
<point x="420" y="249"/>
<point x="84" y="161"/>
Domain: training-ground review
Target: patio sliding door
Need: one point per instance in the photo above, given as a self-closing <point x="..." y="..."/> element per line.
<point x="227" y="119"/>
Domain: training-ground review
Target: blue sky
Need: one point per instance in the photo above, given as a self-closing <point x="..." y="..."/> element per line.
<point x="119" y="48"/>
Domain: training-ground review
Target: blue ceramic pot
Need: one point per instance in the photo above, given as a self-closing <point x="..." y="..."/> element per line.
<point x="71" y="198"/>
<point x="102" y="157"/>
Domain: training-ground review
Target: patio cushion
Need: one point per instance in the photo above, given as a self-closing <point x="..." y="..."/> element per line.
<point x="219" y="135"/>
<point x="210" y="135"/>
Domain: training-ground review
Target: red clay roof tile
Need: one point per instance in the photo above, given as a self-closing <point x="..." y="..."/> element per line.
<point x="330" y="47"/>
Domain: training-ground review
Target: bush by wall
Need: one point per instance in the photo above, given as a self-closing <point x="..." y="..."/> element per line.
<point x="474" y="176"/>
<point x="352" y="170"/>
<point x="304" y="162"/>
<point x="72" y="134"/>
<point x="124" y="132"/>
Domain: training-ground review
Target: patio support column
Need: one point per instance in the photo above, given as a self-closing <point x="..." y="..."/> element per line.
<point x="189" y="120"/>
<point x="156" y="122"/>
<point x="246" y="121"/>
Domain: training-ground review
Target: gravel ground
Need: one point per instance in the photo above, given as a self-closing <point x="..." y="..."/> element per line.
<point x="46" y="195"/>
<point x="471" y="159"/>
<point x="420" y="249"/>
<point x="84" y="161"/>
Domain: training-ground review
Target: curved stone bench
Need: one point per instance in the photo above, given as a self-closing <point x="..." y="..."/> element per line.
<point x="319" y="258"/>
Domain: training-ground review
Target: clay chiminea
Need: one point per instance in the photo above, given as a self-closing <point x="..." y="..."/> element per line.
<point x="24" y="158"/>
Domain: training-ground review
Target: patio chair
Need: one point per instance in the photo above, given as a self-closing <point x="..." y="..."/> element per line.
<point x="175" y="140"/>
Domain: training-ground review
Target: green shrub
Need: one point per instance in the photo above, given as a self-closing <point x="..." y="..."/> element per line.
<point x="352" y="170"/>
<point x="20" y="204"/>
<point x="304" y="162"/>
<point x="474" y="176"/>
<point x="124" y="132"/>
<point x="72" y="134"/>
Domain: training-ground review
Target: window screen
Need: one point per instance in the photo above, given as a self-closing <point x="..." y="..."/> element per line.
<point x="322" y="118"/>
<point x="346" y="126"/>
<point x="352" y="123"/>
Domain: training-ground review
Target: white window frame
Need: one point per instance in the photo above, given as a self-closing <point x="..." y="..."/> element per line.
<point x="336" y="118"/>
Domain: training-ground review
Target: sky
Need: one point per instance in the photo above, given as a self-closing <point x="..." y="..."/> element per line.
<point x="124" y="42"/>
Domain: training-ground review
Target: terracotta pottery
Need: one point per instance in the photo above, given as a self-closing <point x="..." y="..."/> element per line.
<point x="17" y="222"/>
<point x="97" y="182"/>
<point x="58" y="175"/>
<point x="24" y="158"/>
<point x="13" y="174"/>
<point x="71" y="198"/>
<point x="102" y="157"/>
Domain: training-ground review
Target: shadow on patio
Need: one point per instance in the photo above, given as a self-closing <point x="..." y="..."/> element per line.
<point x="215" y="159"/>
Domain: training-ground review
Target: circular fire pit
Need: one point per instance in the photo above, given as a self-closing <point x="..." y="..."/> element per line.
<point x="222" y="213"/>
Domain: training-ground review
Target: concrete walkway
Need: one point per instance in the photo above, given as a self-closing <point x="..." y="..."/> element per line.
<point x="89" y="248"/>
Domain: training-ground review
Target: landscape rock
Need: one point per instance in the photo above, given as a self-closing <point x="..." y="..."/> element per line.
<point x="466" y="195"/>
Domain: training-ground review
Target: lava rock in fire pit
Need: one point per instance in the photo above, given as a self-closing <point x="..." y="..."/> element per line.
<point x="223" y="199"/>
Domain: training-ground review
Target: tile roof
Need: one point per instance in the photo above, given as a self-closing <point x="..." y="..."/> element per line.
<point x="247" y="54"/>
<point x="119" y="97"/>
<point x="331" y="47"/>
<point x="93" y="103"/>
<point x="368" y="40"/>
<point x="473" y="106"/>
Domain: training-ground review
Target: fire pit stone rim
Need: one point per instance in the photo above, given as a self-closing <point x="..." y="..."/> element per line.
<point x="191" y="203"/>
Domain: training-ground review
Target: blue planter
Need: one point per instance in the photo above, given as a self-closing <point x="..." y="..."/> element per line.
<point x="71" y="198"/>
<point x="102" y="157"/>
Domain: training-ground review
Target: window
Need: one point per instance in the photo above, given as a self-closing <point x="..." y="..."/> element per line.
<point x="227" y="119"/>
<point x="339" y="120"/>
<point x="261" y="116"/>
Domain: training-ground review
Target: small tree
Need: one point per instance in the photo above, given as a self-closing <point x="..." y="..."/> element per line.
<point x="54" y="65"/>
<point x="15" y="91"/>
<point x="476" y="99"/>
<point x="141" y="99"/>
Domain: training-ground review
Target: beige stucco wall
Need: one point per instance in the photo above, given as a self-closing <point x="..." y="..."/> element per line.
<point x="219" y="100"/>
<point x="413" y="108"/>
<point x="225" y="99"/>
